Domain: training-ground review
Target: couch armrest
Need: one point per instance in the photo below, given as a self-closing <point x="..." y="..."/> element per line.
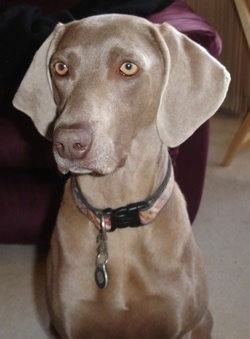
<point x="185" y="20"/>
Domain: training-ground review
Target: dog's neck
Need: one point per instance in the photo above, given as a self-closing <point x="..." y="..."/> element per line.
<point x="141" y="194"/>
<point x="136" y="181"/>
<point x="131" y="215"/>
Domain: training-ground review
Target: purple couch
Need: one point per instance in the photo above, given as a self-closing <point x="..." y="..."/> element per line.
<point x="31" y="188"/>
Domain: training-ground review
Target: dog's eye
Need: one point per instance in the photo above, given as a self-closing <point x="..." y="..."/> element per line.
<point x="60" y="68"/>
<point x="129" y="69"/>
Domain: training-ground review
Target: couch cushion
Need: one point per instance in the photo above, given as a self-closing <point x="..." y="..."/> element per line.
<point x="29" y="203"/>
<point x="185" y="20"/>
<point x="20" y="144"/>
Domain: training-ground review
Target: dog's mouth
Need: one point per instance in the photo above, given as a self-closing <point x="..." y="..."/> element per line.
<point x="96" y="167"/>
<point x="73" y="169"/>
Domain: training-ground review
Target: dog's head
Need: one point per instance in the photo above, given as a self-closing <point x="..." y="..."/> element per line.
<point x="96" y="84"/>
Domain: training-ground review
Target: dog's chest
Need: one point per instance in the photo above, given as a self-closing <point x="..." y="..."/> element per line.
<point x="149" y="278"/>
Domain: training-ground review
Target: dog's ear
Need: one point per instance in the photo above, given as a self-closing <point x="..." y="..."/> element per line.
<point x="34" y="95"/>
<point x="195" y="86"/>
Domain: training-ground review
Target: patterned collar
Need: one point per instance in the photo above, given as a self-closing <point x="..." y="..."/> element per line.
<point x="132" y="215"/>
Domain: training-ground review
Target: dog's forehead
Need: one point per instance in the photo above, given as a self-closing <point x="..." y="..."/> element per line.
<point x="100" y="29"/>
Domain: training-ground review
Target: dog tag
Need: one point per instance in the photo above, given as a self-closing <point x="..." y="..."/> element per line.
<point x="102" y="248"/>
<point x="101" y="237"/>
<point x="101" y="276"/>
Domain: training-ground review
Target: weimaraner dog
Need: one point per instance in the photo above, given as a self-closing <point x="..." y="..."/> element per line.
<point x="113" y="92"/>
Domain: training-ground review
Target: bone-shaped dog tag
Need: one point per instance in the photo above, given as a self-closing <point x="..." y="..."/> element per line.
<point x="101" y="276"/>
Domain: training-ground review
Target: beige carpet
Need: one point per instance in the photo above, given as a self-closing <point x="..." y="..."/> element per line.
<point x="222" y="230"/>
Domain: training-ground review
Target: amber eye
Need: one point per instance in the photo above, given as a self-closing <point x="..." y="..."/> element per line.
<point x="129" y="69"/>
<point x="60" y="68"/>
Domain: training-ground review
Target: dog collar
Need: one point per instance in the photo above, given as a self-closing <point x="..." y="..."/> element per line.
<point x="131" y="215"/>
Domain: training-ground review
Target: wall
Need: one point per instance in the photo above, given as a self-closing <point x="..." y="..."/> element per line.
<point x="223" y="16"/>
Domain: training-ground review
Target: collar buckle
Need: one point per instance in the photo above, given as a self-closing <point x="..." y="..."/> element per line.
<point x="126" y="216"/>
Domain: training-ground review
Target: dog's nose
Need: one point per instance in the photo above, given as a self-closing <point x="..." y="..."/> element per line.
<point x="72" y="142"/>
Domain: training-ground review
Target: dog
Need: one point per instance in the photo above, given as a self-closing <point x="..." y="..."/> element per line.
<point x="113" y="92"/>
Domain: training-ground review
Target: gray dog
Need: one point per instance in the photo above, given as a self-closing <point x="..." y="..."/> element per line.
<point x="113" y="92"/>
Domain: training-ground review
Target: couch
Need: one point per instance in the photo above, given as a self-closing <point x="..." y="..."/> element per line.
<point x="30" y="186"/>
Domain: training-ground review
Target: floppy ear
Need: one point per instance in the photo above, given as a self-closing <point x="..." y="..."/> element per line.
<point x="195" y="86"/>
<point x="34" y="95"/>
